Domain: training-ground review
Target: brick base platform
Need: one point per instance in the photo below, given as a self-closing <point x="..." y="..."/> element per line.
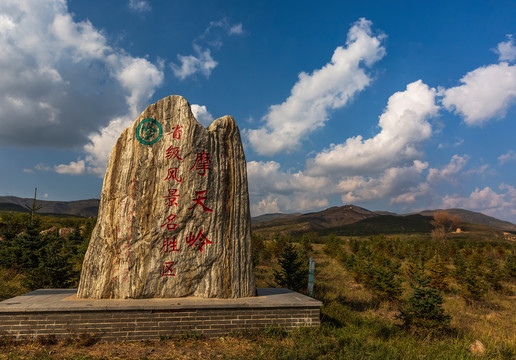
<point x="58" y="312"/>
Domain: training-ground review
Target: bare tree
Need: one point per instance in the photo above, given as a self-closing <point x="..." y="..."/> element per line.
<point x="443" y="224"/>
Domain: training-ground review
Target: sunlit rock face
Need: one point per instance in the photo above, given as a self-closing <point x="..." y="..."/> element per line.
<point x="174" y="216"/>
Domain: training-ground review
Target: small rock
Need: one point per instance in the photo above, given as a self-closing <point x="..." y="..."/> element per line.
<point x="477" y="348"/>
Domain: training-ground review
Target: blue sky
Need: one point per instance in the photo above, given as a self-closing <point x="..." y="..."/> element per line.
<point x="399" y="106"/>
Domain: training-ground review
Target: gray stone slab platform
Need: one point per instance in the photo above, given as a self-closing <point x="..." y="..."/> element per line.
<point x="60" y="312"/>
<point x="50" y="300"/>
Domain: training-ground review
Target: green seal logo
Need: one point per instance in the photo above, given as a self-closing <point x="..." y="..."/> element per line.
<point x="148" y="131"/>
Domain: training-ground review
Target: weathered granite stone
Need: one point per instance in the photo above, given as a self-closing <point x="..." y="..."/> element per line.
<point x="174" y="215"/>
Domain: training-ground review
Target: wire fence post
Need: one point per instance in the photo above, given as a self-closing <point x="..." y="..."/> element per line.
<point x="311" y="271"/>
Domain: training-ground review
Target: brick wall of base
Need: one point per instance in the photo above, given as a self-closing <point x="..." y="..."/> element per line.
<point x="111" y="325"/>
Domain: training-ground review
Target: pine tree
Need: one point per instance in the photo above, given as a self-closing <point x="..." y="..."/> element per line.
<point x="27" y="246"/>
<point x="469" y="273"/>
<point x="306" y="241"/>
<point x="436" y="270"/>
<point x="423" y="311"/>
<point x="258" y="246"/>
<point x="293" y="272"/>
<point x="55" y="268"/>
<point x="510" y="265"/>
<point x="332" y="247"/>
<point x="493" y="273"/>
<point x="385" y="283"/>
<point x="277" y="245"/>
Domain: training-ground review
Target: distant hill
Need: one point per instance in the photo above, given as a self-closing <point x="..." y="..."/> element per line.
<point x="333" y="217"/>
<point x="354" y="220"/>
<point x="385" y="224"/>
<point x="472" y="217"/>
<point x="348" y="218"/>
<point x="84" y="208"/>
<point x="275" y="216"/>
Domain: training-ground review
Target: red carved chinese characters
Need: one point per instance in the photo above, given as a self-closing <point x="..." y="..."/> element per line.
<point x="200" y="201"/>
<point x="167" y="269"/>
<point x="173" y="153"/>
<point x="169" y="224"/>
<point x="172" y="174"/>
<point x="199" y="241"/>
<point x="176" y="132"/>
<point x="196" y="241"/>
<point x="172" y="197"/>
<point x="169" y="245"/>
<point x="202" y="162"/>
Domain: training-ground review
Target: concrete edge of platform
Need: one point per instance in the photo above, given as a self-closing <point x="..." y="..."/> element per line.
<point x="51" y="300"/>
<point x="58" y="312"/>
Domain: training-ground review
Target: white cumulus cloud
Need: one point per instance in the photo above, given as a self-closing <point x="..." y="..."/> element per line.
<point x="272" y="190"/>
<point x="266" y="176"/>
<point x="191" y="64"/>
<point x="99" y="148"/>
<point x="62" y="84"/>
<point x="202" y="114"/>
<point x="404" y="127"/>
<point x="500" y="204"/>
<point x="316" y="94"/>
<point x="427" y="190"/>
<point x="485" y="94"/>
<point x="506" y="50"/>
<point x="139" y="77"/>
<point x="449" y="172"/>
<point x="202" y="61"/>
<point x="412" y="194"/>
<point x="382" y="167"/>
<point x="81" y="39"/>
<point x="508" y="156"/>
<point x="74" y="168"/>
<point x="139" y="5"/>
<point x="389" y="183"/>
<point x="236" y="29"/>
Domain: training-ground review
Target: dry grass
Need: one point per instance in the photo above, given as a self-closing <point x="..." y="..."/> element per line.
<point x="493" y="319"/>
<point x="10" y="284"/>
<point x="354" y="326"/>
<point x="213" y="348"/>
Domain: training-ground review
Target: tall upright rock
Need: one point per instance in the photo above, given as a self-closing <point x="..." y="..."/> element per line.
<point x="174" y="214"/>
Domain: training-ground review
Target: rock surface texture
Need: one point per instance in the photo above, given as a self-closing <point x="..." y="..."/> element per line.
<point x="174" y="215"/>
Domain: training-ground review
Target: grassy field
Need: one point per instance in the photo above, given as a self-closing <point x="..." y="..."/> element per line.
<point x="355" y="324"/>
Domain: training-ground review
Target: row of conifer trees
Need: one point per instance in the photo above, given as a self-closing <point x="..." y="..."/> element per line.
<point x="44" y="258"/>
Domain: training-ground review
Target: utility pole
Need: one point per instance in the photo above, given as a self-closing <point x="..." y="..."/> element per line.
<point x="35" y="207"/>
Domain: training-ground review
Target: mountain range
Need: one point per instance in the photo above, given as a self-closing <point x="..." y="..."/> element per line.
<point x="350" y="217"/>
<point x="82" y="208"/>
<point x="354" y="219"/>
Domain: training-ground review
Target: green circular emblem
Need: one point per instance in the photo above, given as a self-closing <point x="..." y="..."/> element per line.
<point x="148" y="131"/>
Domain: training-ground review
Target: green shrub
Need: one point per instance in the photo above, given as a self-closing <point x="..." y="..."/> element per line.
<point x="307" y="240"/>
<point x="277" y="245"/>
<point x="437" y="271"/>
<point x="472" y="285"/>
<point x="379" y="275"/>
<point x="332" y="247"/>
<point x="293" y="272"/>
<point x="423" y="312"/>
<point x="510" y="265"/>
<point x="260" y="251"/>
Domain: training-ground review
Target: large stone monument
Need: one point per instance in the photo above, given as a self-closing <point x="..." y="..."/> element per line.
<point x="174" y="215"/>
